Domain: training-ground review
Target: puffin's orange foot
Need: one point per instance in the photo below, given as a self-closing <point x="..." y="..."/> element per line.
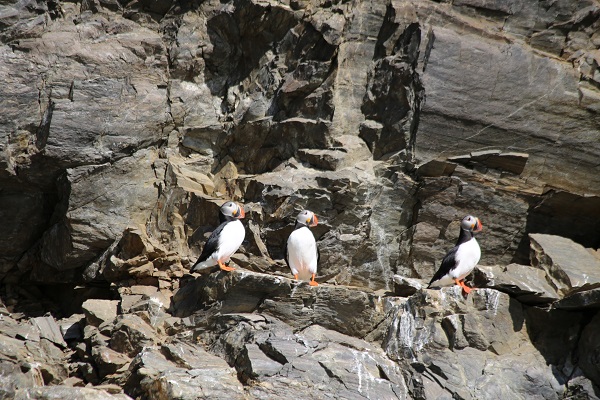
<point x="296" y="276"/>
<point x="312" y="281"/>
<point x="465" y="288"/>
<point x="225" y="267"/>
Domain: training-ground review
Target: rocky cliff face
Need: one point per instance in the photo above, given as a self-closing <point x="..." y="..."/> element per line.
<point x="125" y="124"/>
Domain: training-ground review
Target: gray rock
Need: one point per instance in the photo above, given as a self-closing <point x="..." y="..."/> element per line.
<point x="94" y="337"/>
<point x="527" y="284"/>
<point x="72" y="327"/>
<point x="580" y="300"/>
<point x="50" y="330"/>
<point x="194" y="384"/>
<point x="47" y="136"/>
<point x="131" y="334"/>
<point x="126" y="124"/>
<point x="99" y="311"/>
<point x="107" y="360"/>
<point x="15" y="376"/>
<point x="129" y="300"/>
<point x="23" y="332"/>
<point x="116" y="198"/>
<point x="73" y="382"/>
<point x="439" y="333"/>
<point x="316" y="360"/>
<point x="65" y="392"/>
<point x="364" y="239"/>
<point x="407" y="286"/>
<point x="511" y="162"/>
<point x="259" y="364"/>
<point x="345" y="309"/>
<point x="458" y="95"/>
<point x="192" y="374"/>
<point x="568" y="265"/>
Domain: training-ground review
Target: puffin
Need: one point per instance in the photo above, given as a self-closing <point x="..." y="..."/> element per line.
<point x="225" y="240"/>
<point x="301" y="252"/>
<point x="462" y="258"/>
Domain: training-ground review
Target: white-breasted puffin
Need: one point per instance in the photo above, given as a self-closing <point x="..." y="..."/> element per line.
<point x="460" y="261"/>
<point x="225" y="240"/>
<point x="301" y="252"/>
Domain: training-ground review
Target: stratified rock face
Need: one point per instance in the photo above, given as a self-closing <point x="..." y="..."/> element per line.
<point x="126" y="124"/>
<point x="476" y="99"/>
<point x="441" y="335"/>
<point x="122" y="115"/>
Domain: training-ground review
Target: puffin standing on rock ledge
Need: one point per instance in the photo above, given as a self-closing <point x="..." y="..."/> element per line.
<point x="460" y="261"/>
<point x="301" y="252"/>
<point x="223" y="241"/>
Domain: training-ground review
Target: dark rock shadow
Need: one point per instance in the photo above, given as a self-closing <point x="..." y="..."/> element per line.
<point x="564" y="214"/>
<point x="556" y="335"/>
<point x="240" y="39"/>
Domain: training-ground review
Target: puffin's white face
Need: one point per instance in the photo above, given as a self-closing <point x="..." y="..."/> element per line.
<point x="471" y="223"/>
<point x="307" y="218"/>
<point x="231" y="209"/>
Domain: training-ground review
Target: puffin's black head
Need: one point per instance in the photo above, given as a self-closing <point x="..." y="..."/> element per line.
<point x="232" y="210"/>
<point x="307" y="218"/>
<point x="471" y="224"/>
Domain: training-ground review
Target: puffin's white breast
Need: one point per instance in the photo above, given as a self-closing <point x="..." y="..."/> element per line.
<point x="467" y="256"/>
<point x="230" y="240"/>
<point x="302" y="253"/>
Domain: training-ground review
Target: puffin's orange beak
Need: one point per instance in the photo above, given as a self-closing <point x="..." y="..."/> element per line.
<point x="313" y="221"/>
<point x="477" y="227"/>
<point x="240" y="213"/>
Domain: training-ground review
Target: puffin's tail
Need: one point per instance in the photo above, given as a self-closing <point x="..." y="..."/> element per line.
<point x="200" y="265"/>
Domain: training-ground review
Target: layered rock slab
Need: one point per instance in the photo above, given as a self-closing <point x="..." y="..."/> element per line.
<point x="527" y="284"/>
<point x="183" y="371"/>
<point x="348" y="310"/>
<point x="569" y="266"/>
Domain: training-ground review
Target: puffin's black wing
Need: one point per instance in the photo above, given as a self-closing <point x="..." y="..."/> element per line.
<point x="318" y="255"/>
<point x="212" y="244"/>
<point x="287" y="255"/>
<point x="448" y="263"/>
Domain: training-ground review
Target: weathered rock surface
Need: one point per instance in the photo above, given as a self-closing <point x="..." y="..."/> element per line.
<point x="439" y="334"/>
<point x="527" y="284"/>
<point x="580" y="300"/>
<point x="569" y="266"/>
<point x="347" y="310"/>
<point x="126" y="124"/>
<point x="61" y="392"/>
<point x="99" y="311"/>
<point x="407" y="286"/>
